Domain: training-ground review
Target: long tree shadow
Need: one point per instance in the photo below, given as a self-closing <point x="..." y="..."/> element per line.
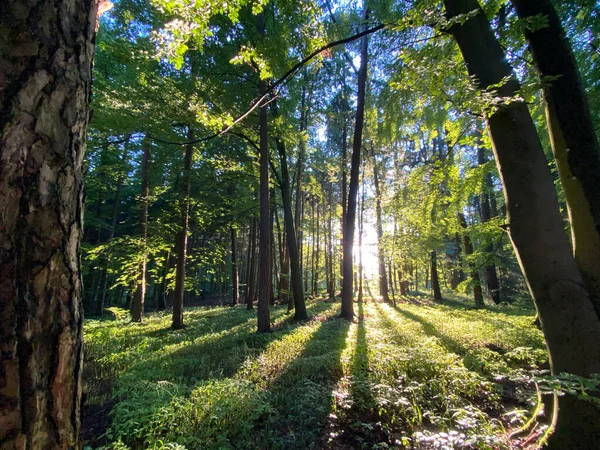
<point x="359" y="424"/>
<point x="301" y="395"/>
<point x="196" y="357"/>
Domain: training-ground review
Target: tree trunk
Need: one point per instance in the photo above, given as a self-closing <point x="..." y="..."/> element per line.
<point x="435" y="280"/>
<point x="264" y="254"/>
<point x="491" y="276"/>
<point x="292" y="243"/>
<point x="182" y="234"/>
<point x="137" y="304"/>
<point x="235" y="295"/>
<point x="162" y="299"/>
<point x="350" y="217"/>
<point x="383" y="286"/>
<point x="360" y="239"/>
<point x="250" y="276"/>
<point x="477" y="292"/>
<point x="331" y="285"/>
<point x="569" y="321"/>
<point x="45" y="58"/>
<point x="111" y="234"/>
<point x="572" y="135"/>
<point x="317" y="253"/>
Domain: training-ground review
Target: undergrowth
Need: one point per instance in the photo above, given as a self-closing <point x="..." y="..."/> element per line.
<point x="419" y="375"/>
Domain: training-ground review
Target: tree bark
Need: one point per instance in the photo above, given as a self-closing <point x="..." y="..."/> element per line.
<point x="46" y="52"/>
<point x="137" y="304"/>
<point x="572" y="135"/>
<point x="383" y="286"/>
<point x="111" y="234"/>
<point x="182" y="239"/>
<point x="350" y="217"/>
<point x="317" y="253"/>
<point x="250" y="276"/>
<point x="292" y="243"/>
<point x="569" y="320"/>
<point x="235" y="295"/>
<point x="264" y="254"/>
<point x="491" y="276"/>
<point x="477" y="292"/>
<point x="435" y="280"/>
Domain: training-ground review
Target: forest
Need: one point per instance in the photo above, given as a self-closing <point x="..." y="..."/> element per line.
<point x="299" y="224"/>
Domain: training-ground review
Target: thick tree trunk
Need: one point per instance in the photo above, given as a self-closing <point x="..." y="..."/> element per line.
<point x="182" y="239"/>
<point x="477" y="291"/>
<point x="137" y="304"/>
<point x="46" y="51"/>
<point x="264" y="254"/>
<point x="569" y="320"/>
<point x="435" y="279"/>
<point x="572" y="135"/>
<point x="383" y="286"/>
<point x="350" y="217"/>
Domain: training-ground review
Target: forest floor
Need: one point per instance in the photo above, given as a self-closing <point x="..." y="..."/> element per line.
<point x="419" y="375"/>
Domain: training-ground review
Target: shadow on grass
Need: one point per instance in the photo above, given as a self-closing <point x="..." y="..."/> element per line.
<point x="208" y="349"/>
<point x="301" y="396"/>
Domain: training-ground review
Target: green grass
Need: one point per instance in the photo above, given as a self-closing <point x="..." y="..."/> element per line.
<point x="418" y="375"/>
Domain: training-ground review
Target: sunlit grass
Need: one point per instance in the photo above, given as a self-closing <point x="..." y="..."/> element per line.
<point x="420" y="374"/>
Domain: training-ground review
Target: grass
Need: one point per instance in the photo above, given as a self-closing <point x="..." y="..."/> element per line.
<point x="419" y="375"/>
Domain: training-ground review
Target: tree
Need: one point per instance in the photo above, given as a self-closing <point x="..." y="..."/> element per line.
<point x="43" y="116"/>
<point x="568" y="318"/>
<point x="139" y="297"/>
<point x="350" y="213"/>
<point x="572" y="135"/>
<point x="182" y="235"/>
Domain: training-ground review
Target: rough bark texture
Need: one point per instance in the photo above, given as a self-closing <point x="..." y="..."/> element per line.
<point x="383" y="285"/>
<point x="477" y="292"/>
<point x="181" y="246"/>
<point x="137" y="305"/>
<point x="569" y="321"/>
<point x="574" y="141"/>
<point x="350" y="217"/>
<point x="46" y="51"/>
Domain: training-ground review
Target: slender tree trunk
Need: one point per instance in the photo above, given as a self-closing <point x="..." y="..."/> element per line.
<point x="572" y="135"/>
<point x="435" y="280"/>
<point x="294" y="257"/>
<point x="111" y="235"/>
<point x="234" y="268"/>
<point x="477" y="292"/>
<point x="569" y="320"/>
<point x="139" y="296"/>
<point x="45" y="61"/>
<point x="162" y="299"/>
<point x="491" y="276"/>
<point x="344" y="193"/>
<point x="360" y="239"/>
<point x="182" y="234"/>
<point x="331" y="285"/>
<point x="264" y="264"/>
<point x="383" y="286"/>
<point x="317" y="253"/>
<point x="250" y="285"/>
<point x="350" y="218"/>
